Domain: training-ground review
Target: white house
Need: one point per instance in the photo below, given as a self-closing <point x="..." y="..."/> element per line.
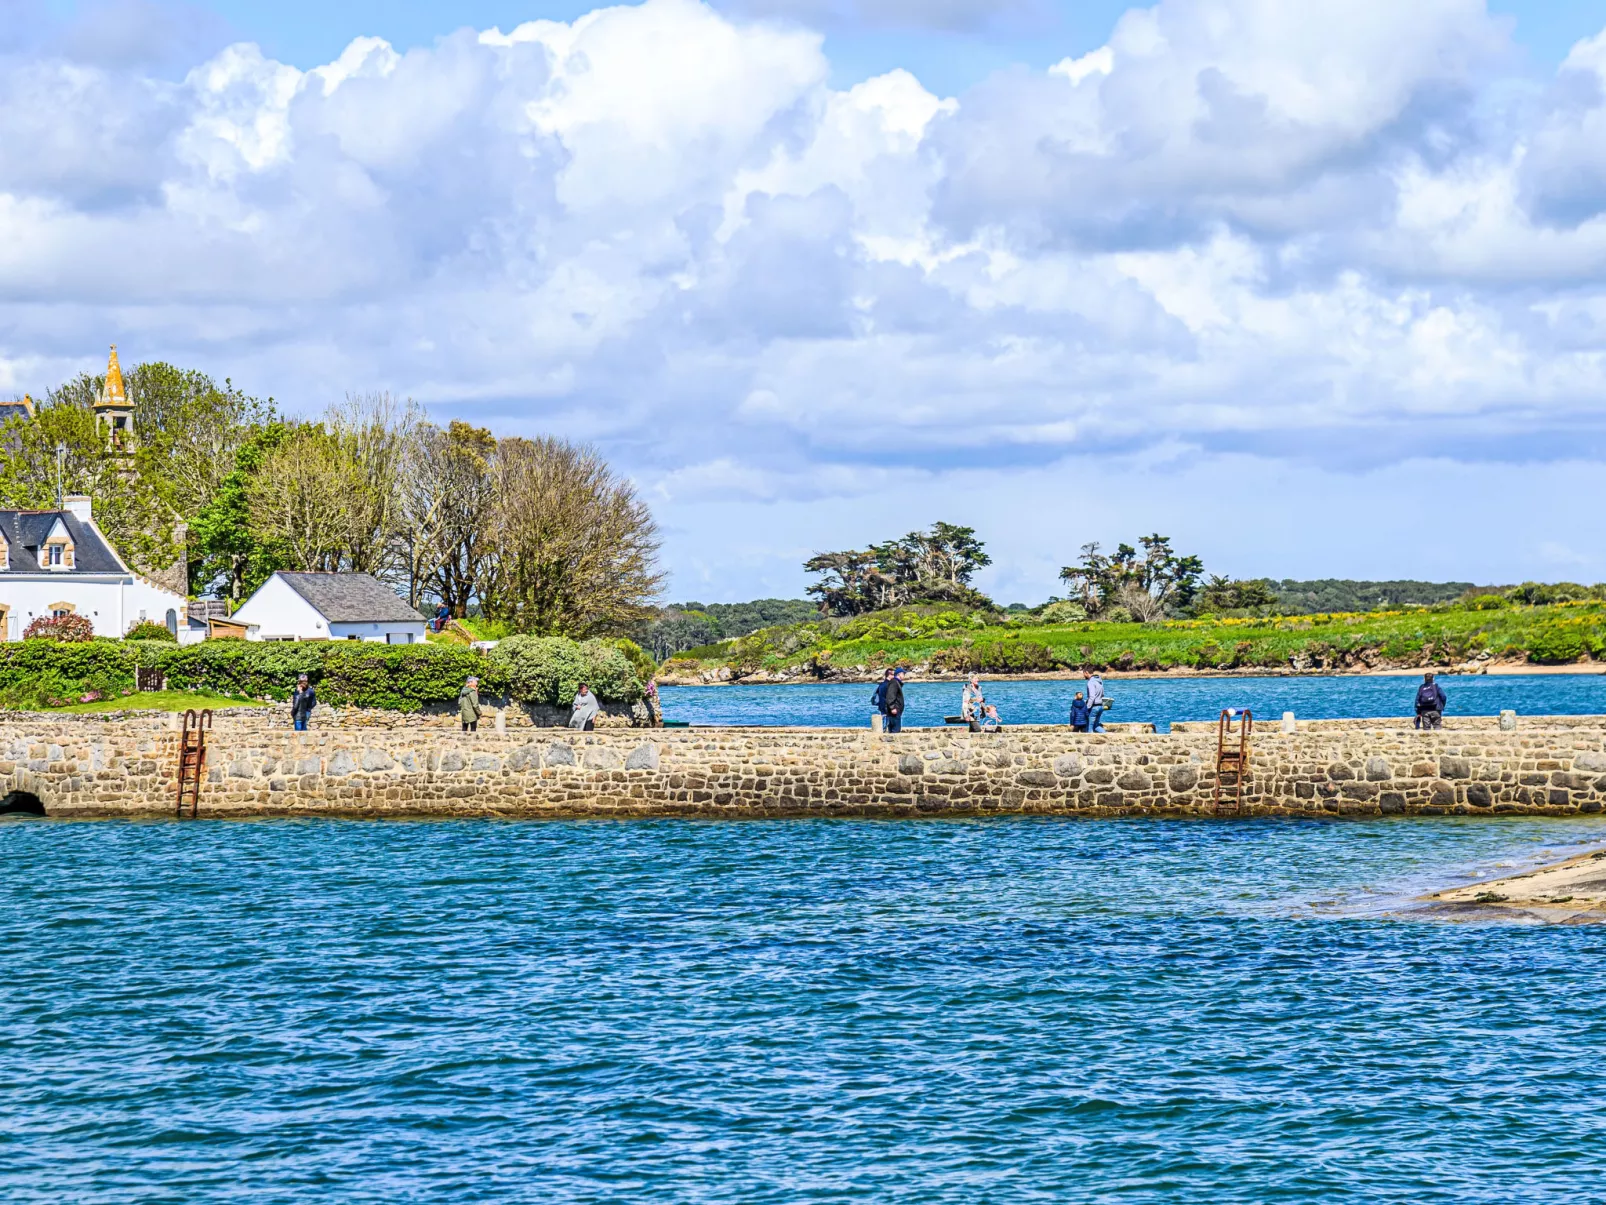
<point x="57" y="562"/>
<point x="329" y="606"/>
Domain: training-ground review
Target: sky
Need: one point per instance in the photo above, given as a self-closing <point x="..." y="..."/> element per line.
<point x="1314" y="289"/>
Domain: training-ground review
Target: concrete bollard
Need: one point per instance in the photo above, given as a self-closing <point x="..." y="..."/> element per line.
<point x="1508" y="721"/>
<point x="501" y="719"/>
<point x="877" y="723"/>
<point x="1289" y="723"/>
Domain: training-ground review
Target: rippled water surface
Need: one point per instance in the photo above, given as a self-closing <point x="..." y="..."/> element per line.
<point x="1150" y="700"/>
<point x="1005" y="1010"/>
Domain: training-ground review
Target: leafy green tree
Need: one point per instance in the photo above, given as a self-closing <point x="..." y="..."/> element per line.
<point x="924" y="566"/>
<point x="231" y="556"/>
<point x="1227" y="594"/>
<point x="1148" y="586"/>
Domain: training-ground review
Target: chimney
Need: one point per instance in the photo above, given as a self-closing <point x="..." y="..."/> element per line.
<point x="80" y="507"/>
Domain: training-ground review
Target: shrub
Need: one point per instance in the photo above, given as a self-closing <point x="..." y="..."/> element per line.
<point x="747" y="655"/>
<point x="147" y="629"/>
<point x="549" y="669"/>
<point x="1486" y="602"/>
<point x="1557" y="645"/>
<point x="69" y="629"/>
<point x="640" y="660"/>
<point x="995" y="657"/>
<point x="1063" y="612"/>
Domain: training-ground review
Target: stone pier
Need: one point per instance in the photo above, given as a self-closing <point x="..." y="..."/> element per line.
<point x="124" y="765"/>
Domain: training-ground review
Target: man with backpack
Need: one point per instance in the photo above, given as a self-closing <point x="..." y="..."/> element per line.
<point x="1430" y="703"/>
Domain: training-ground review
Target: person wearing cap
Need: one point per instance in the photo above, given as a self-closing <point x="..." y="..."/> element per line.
<point x="302" y="700"/>
<point x="468" y="705"/>
<point x="894" y="701"/>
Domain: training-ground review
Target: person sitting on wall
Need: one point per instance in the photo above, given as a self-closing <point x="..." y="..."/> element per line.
<point x="586" y="708"/>
<point x="302" y="701"/>
<point x="1079" y="713"/>
<point x="1430" y="703"/>
<point x="443" y="616"/>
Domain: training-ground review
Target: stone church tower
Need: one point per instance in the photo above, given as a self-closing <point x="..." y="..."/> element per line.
<point x="114" y="416"/>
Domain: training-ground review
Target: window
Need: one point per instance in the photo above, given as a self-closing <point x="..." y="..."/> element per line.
<point x="55" y="554"/>
<point x="398" y="637"/>
<point x="119" y="424"/>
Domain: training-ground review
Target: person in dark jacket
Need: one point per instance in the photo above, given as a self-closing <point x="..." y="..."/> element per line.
<point x="302" y="701"/>
<point x="895" y="702"/>
<point x="1079" y="713"/>
<point x="1430" y="703"/>
<point x="879" y="699"/>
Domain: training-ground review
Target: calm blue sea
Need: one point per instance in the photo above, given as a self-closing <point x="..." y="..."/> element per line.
<point x="1153" y="700"/>
<point x="911" y="1012"/>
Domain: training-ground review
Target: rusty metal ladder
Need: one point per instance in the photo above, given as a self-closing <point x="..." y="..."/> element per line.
<point x="1232" y="765"/>
<point x="192" y="759"/>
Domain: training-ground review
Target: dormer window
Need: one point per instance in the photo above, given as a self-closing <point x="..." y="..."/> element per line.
<point x="56" y="555"/>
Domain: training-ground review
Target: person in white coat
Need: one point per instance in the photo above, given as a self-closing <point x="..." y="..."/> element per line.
<point x="586" y="708"/>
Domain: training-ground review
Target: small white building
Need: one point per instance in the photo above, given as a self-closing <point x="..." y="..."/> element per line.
<point x="59" y="563"/>
<point x="329" y="606"/>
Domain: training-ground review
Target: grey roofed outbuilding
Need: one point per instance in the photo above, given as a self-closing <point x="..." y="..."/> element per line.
<point x="351" y="598"/>
<point x="26" y="530"/>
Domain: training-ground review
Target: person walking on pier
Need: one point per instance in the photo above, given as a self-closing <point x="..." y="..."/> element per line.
<point x="586" y="707"/>
<point x="1079" y="713"/>
<point x="1430" y="703"/>
<point x="302" y="701"/>
<point x="1095" y="702"/>
<point x="468" y="705"/>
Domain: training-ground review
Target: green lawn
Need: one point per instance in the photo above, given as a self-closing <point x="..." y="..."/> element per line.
<point x="161" y="700"/>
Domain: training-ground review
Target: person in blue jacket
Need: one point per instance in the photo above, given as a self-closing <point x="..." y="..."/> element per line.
<point x="1430" y="703"/>
<point x="1079" y="713"/>
<point x="879" y="699"/>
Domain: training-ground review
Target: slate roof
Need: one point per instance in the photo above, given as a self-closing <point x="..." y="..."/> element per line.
<point x="13" y="410"/>
<point x="25" y="530"/>
<point x="351" y="598"/>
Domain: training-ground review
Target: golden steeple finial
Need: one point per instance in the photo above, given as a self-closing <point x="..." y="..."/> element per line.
<point x="113" y="394"/>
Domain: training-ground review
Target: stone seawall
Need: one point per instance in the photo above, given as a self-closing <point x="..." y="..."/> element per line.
<point x="125" y="765"/>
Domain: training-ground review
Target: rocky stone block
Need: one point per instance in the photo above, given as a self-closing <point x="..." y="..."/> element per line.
<point x="911" y="764"/>
<point x="1037" y="778"/>
<point x="1068" y="766"/>
<point x="1378" y="769"/>
<point x="1391" y="803"/>
<point x="601" y="757"/>
<point x="1478" y="795"/>
<point x="1339" y="772"/>
<point x="341" y="764"/>
<point x="1455" y="767"/>
<point x="1594" y="763"/>
<point x="642" y="757"/>
<point x="452" y="762"/>
<point x="1183" y="779"/>
<point x="377" y="759"/>
<point x="1134" y="780"/>
<point x="525" y="757"/>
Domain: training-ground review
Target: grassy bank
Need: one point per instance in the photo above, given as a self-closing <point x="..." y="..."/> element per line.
<point x="955" y="642"/>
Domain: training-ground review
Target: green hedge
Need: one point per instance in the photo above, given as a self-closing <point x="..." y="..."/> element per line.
<point x="346" y="673"/>
<point x="549" y="669"/>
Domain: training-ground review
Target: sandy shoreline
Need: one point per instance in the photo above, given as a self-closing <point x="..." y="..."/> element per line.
<point x="1570" y="891"/>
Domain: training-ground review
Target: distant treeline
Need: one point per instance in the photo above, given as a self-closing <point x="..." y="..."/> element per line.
<point x="689" y="625"/>
<point x="1331" y="594"/>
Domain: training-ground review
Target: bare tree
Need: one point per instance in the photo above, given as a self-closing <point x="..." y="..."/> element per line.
<point x="375" y="433"/>
<point x="448" y="487"/>
<point x="575" y="549"/>
<point x="297" y="499"/>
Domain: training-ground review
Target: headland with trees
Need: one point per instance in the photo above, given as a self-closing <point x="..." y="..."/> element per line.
<point x="536" y="544"/>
